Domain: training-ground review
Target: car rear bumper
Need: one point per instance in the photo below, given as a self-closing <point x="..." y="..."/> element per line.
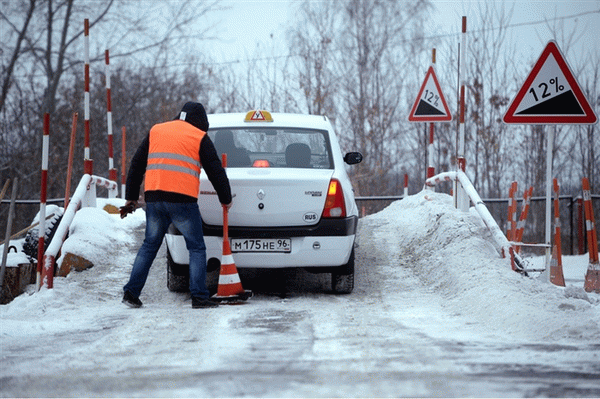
<point x="325" y="227"/>
<point x="329" y="243"/>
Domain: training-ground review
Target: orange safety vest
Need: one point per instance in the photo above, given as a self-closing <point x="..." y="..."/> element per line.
<point x="174" y="158"/>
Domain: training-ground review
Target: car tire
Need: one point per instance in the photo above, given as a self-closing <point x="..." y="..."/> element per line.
<point x="30" y="245"/>
<point x="342" y="278"/>
<point x="178" y="280"/>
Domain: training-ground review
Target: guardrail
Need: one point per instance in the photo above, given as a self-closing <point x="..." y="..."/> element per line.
<point x="503" y="246"/>
<point x="84" y="196"/>
<point x="572" y="217"/>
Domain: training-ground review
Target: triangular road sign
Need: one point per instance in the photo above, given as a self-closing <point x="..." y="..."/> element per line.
<point x="430" y="105"/>
<point x="550" y="94"/>
<point x="258" y="116"/>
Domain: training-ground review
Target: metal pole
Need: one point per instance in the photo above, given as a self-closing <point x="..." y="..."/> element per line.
<point x="123" y="161"/>
<point x="112" y="172"/>
<point x="43" y="195"/>
<point x="462" y="198"/>
<point x="11" y="211"/>
<point x="549" y="199"/>
<point x="87" y="162"/>
<point x="430" y="159"/>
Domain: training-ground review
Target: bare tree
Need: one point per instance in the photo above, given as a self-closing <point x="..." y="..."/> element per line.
<point x="313" y="47"/>
<point x="42" y="71"/>
<point x="374" y="45"/>
<point x="7" y="71"/>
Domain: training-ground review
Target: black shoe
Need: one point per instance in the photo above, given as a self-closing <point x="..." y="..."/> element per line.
<point x="131" y="301"/>
<point x="198" y="303"/>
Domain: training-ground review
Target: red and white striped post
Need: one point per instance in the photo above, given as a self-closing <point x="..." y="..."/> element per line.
<point x="430" y="167"/>
<point x="556" y="270"/>
<point x="87" y="162"/>
<point x="512" y="210"/>
<point x="123" y="161"/>
<point x="592" y="277"/>
<point x="462" y="200"/>
<point x="405" y="185"/>
<point x="43" y="195"/>
<point x="524" y="211"/>
<point x="112" y="172"/>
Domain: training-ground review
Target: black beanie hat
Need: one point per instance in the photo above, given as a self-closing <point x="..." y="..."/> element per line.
<point x="195" y="114"/>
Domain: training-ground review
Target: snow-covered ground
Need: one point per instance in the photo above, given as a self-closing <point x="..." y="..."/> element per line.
<point x="435" y="312"/>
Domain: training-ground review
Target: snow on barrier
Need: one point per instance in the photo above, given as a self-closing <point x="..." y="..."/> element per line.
<point x="84" y="196"/>
<point x="592" y="277"/>
<point x="503" y="245"/>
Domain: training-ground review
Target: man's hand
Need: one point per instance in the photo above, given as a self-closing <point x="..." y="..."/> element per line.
<point x="128" y="208"/>
<point x="228" y="206"/>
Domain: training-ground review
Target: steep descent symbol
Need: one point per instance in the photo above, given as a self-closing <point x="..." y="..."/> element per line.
<point x="258" y="116"/>
<point x="550" y="94"/>
<point x="430" y="105"/>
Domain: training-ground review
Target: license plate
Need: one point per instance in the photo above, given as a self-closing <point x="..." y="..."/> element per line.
<point x="261" y="245"/>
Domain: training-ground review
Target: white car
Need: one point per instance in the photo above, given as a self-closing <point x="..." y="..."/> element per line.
<point x="293" y="202"/>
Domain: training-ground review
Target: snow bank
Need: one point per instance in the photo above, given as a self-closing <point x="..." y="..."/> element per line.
<point x="452" y="253"/>
<point x="94" y="232"/>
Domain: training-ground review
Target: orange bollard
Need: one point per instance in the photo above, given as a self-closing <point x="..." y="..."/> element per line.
<point x="592" y="277"/>
<point x="556" y="269"/>
<point x="511" y="220"/>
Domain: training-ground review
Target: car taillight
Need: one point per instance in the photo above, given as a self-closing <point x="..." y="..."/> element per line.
<point x="261" y="163"/>
<point x="334" y="203"/>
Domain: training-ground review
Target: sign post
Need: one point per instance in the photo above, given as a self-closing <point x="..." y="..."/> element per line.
<point x="550" y="96"/>
<point x="430" y="106"/>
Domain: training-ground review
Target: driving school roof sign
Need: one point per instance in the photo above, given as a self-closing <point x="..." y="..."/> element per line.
<point x="430" y="105"/>
<point x="550" y="94"/>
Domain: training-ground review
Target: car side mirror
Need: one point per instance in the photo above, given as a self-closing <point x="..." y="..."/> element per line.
<point x="352" y="158"/>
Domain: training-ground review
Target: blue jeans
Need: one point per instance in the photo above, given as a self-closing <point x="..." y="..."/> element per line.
<point x="186" y="217"/>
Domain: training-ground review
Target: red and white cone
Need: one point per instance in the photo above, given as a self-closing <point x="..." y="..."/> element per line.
<point x="230" y="288"/>
<point x="592" y="277"/>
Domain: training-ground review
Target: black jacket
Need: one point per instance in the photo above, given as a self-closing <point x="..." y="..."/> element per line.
<point x="208" y="159"/>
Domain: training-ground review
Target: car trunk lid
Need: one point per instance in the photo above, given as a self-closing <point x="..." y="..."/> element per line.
<point x="266" y="197"/>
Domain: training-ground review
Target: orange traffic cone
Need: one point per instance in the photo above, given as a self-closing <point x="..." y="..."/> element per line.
<point x="556" y="271"/>
<point x="230" y="288"/>
<point x="592" y="277"/>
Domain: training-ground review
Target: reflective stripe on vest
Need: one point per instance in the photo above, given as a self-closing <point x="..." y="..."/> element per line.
<point x="174" y="159"/>
<point x="194" y="171"/>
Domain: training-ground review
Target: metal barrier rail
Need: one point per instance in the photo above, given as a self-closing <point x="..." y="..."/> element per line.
<point x="84" y="196"/>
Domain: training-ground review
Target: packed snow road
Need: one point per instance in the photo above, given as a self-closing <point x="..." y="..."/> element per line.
<point x="434" y="312"/>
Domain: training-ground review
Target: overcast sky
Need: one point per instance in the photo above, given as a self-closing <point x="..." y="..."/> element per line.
<point x="253" y="25"/>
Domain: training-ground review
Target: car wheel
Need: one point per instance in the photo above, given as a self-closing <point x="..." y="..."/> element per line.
<point x="30" y="246"/>
<point x="177" y="278"/>
<point x="342" y="278"/>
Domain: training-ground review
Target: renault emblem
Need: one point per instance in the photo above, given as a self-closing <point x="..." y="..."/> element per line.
<point x="260" y="194"/>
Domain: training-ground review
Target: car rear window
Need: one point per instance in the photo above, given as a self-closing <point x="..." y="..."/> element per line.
<point x="273" y="147"/>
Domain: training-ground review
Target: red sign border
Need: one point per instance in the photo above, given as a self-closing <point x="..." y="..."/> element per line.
<point x="589" y="118"/>
<point x="430" y="118"/>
